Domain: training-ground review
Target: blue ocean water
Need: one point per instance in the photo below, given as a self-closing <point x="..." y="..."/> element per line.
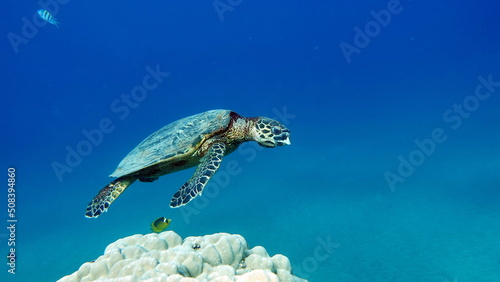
<point x="392" y="174"/>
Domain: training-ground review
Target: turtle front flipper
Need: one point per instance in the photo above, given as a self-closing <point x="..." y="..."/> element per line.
<point x="207" y="167"/>
<point x="107" y="195"/>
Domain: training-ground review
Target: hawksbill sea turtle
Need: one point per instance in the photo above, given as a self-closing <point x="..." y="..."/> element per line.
<point x="200" y="140"/>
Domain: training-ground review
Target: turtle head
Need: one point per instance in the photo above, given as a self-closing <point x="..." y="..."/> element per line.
<point x="270" y="133"/>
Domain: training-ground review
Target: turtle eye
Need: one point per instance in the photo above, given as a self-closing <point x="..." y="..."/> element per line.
<point x="276" y="130"/>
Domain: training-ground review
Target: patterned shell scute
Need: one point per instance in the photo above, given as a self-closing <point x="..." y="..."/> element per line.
<point x="175" y="139"/>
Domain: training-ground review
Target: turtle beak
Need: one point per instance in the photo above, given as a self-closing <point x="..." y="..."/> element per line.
<point x="283" y="139"/>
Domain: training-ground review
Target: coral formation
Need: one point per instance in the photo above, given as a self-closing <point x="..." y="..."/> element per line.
<point x="166" y="257"/>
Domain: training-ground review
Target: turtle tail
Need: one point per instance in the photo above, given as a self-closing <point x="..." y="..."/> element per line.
<point x="107" y="195"/>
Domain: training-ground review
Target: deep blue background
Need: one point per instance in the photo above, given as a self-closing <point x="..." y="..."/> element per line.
<point x="352" y="121"/>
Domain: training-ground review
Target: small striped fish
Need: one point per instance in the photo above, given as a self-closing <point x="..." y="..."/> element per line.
<point x="48" y="17"/>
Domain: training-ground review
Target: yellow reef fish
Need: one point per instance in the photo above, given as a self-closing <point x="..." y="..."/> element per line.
<point x="160" y="224"/>
<point x="44" y="14"/>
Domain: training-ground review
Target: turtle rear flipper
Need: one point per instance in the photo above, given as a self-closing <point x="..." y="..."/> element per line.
<point x="206" y="169"/>
<point x="107" y="195"/>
